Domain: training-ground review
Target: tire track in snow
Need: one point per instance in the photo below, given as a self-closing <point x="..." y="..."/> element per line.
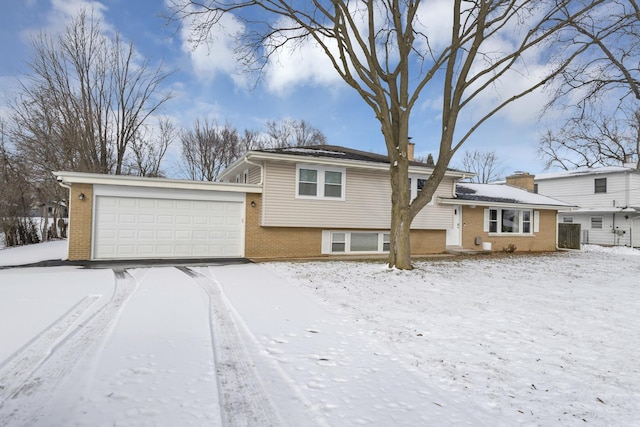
<point x="244" y="400"/>
<point x="26" y="360"/>
<point x="36" y="384"/>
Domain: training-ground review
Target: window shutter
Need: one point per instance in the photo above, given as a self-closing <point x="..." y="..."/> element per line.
<point x="326" y="242"/>
<point x="536" y="221"/>
<point x="486" y="220"/>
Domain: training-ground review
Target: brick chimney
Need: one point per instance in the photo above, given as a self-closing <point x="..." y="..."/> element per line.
<point x="522" y="180"/>
<point x="410" y="151"/>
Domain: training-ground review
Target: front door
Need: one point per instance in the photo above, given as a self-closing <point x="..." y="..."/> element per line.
<point x="454" y="233"/>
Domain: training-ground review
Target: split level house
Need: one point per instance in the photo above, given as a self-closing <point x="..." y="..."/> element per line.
<point x="288" y="203"/>
<point x="607" y="200"/>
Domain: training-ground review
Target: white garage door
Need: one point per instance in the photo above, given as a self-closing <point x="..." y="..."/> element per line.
<point x="134" y="227"/>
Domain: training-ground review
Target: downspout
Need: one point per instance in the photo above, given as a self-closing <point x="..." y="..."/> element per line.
<point x="261" y="183"/>
<point x="261" y="169"/>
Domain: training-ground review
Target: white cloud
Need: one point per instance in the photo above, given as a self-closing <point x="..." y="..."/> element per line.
<point x="297" y="65"/>
<point x="217" y="53"/>
<point x="63" y="11"/>
<point x="435" y="19"/>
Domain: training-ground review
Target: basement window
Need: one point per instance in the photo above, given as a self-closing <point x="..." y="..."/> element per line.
<point x="350" y="242"/>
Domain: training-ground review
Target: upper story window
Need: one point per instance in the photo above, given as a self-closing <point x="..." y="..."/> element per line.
<point x="243" y="178"/>
<point x="416" y="185"/>
<point x="321" y="182"/>
<point x="600" y="185"/>
<point x="516" y="221"/>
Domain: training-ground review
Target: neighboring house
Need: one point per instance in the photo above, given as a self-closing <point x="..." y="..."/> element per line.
<point x="504" y="217"/>
<point x="279" y="203"/>
<point x="608" y="200"/>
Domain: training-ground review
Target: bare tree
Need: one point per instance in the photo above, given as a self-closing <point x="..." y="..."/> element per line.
<point x="85" y="101"/>
<point x="592" y="141"/>
<point x="600" y="93"/>
<point x="611" y="71"/>
<point x="208" y="149"/>
<point x="150" y="146"/>
<point x="16" y="226"/>
<point x="384" y="52"/>
<point x="291" y="133"/>
<point x="485" y="164"/>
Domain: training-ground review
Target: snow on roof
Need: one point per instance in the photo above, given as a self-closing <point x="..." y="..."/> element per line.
<point x="584" y="172"/>
<point x="496" y="193"/>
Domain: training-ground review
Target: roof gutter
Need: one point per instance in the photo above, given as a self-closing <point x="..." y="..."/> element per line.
<point x="67" y="178"/>
<point x="446" y="201"/>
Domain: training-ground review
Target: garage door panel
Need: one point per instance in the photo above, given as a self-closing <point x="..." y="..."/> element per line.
<point x="147" y="203"/>
<point x="164" y="234"/>
<point x="146" y="234"/>
<point x="127" y="234"/>
<point x="182" y="219"/>
<point x="147" y="219"/>
<point x="164" y="204"/>
<point x="164" y="219"/>
<point x="126" y="219"/>
<point x="155" y="228"/>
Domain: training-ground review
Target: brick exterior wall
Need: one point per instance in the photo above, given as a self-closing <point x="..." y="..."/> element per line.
<point x="473" y="226"/>
<point x="428" y="242"/>
<point x="80" y="216"/>
<point x="297" y="242"/>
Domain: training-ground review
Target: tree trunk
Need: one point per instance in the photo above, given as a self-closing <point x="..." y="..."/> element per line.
<point x="400" y="242"/>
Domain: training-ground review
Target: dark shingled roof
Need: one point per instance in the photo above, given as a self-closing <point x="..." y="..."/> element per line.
<point x="335" y="152"/>
<point x="466" y="193"/>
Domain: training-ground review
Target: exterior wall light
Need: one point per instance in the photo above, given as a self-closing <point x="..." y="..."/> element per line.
<point x="253" y="203"/>
<point x="81" y="196"/>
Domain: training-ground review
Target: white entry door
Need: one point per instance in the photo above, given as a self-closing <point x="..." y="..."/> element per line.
<point x="146" y="227"/>
<point x="454" y="234"/>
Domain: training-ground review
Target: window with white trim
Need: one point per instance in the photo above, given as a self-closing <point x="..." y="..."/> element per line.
<point x="567" y="219"/>
<point x="596" y="222"/>
<point x="320" y="182"/>
<point x="416" y="184"/>
<point x="244" y="178"/>
<point x="600" y="185"/>
<point x="510" y="221"/>
<point x="346" y="242"/>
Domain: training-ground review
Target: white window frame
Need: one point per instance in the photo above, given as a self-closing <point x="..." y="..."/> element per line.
<point x="567" y="219"/>
<point x="243" y="178"/>
<point x="331" y="237"/>
<point x="413" y="188"/>
<point x="320" y="184"/>
<point x="534" y="222"/>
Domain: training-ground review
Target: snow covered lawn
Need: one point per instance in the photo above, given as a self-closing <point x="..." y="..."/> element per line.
<point x="549" y="340"/>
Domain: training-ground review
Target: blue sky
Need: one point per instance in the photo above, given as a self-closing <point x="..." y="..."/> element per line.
<point x="206" y="84"/>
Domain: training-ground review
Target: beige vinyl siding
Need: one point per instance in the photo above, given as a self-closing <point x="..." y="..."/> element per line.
<point x="255" y="175"/>
<point x="366" y="205"/>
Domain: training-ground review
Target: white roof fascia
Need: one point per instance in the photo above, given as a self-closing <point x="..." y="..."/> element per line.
<point x="137" y="181"/>
<point x="504" y="204"/>
<point x="603" y="170"/>
<point x="256" y="155"/>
